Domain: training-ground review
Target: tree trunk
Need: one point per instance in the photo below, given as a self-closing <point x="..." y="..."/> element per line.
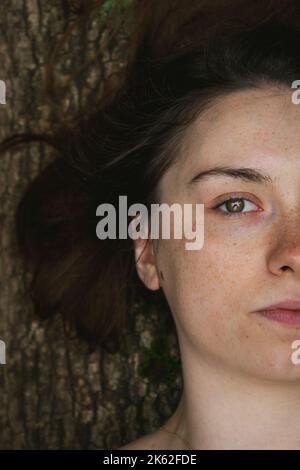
<point x="54" y="394"/>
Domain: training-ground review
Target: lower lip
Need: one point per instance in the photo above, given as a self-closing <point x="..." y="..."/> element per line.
<point x="288" y="317"/>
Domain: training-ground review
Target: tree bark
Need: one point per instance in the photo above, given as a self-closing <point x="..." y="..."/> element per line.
<point x="54" y="394"/>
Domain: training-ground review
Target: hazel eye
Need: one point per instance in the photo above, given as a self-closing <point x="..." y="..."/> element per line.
<point x="235" y="206"/>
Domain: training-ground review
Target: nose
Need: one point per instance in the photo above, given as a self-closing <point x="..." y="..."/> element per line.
<point x="285" y="253"/>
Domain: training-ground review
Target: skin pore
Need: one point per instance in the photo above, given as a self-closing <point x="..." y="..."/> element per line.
<point x="241" y="388"/>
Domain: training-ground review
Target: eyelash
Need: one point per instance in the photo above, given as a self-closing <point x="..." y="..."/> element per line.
<point x="233" y="214"/>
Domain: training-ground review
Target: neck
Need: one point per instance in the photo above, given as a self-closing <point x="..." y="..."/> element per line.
<point x="223" y="409"/>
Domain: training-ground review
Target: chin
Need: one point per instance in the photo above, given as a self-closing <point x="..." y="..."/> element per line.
<point x="275" y="364"/>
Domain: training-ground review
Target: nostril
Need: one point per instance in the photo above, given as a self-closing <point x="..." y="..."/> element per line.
<point x="285" y="268"/>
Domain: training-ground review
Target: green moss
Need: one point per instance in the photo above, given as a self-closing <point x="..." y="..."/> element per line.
<point x="157" y="363"/>
<point x="109" y="7"/>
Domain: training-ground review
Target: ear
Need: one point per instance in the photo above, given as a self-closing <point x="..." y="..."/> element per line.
<point x="145" y="263"/>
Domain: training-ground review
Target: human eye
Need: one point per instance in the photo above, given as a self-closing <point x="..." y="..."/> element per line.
<point x="235" y="205"/>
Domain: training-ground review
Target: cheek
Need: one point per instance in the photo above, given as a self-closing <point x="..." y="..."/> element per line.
<point x="198" y="283"/>
<point x="214" y="272"/>
<point x="208" y="290"/>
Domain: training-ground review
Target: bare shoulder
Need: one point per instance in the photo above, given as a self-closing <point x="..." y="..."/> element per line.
<point x="152" y="441"/>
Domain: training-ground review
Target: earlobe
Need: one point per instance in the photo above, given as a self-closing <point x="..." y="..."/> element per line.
<point x="145" y="263"/>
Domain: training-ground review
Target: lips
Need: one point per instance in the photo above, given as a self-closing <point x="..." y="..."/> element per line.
<point x="286" y="312"/>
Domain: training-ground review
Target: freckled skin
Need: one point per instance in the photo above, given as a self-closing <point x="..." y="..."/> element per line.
<point x="214" y="291"/>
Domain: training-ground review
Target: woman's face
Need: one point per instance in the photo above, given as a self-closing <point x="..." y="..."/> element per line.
<point x="213" y="292"/>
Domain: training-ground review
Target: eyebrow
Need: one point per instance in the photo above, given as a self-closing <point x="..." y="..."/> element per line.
<point x="244" y="174"/>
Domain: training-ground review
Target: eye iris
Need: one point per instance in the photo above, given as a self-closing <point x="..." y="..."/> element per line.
<point x="234" y="205"/>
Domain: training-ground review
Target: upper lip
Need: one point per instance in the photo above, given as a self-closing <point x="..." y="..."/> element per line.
<point x="289" y="304"/>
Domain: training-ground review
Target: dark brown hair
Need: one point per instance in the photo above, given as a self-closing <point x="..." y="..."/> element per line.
<point x="126" y="145"/>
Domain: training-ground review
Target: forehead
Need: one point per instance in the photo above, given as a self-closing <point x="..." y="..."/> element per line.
<point x="266" y="117"/>
<point x="240" y="126"/>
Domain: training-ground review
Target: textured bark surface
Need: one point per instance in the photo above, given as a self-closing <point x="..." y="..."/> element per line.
<point x="53" y="393"/>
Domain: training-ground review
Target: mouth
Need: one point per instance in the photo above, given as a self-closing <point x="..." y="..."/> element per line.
<point x="280" y="315"/>
<point x="286" y="312"/>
